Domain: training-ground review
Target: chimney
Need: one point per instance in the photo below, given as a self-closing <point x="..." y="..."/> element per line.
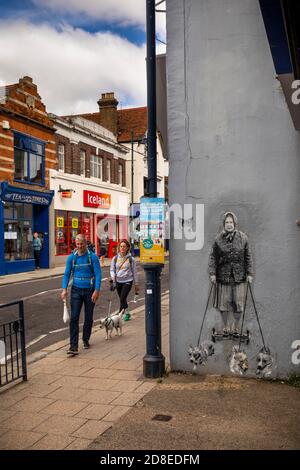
<point x="108" y="112"/>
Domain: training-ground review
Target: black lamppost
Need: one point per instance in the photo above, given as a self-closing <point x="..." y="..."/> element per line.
<point x="132" y="167"/>
<point x="153" y="361"/>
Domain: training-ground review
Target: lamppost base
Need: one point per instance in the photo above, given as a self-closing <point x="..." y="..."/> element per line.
<point x="153" y="366"/>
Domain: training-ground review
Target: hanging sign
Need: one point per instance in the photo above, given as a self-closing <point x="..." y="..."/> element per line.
<point x="152" y="216"/>
<point x="66" y="194"/>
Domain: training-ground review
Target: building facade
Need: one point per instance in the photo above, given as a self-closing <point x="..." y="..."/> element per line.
<point x="91" y="194"/>
<point x="129" y="126"/>
<point x="233" y="146"/>
<point x="27" y="154"/>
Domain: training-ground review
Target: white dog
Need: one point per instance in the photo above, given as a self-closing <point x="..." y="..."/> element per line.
<point x="239" y="363"/>
<point x="199" y="354"/>
<point x="113" y="322"/>
<point x="265" y="362"/>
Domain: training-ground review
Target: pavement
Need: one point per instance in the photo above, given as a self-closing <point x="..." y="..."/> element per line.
<point x="100" y="400"/>
<point x="36" y="274"/>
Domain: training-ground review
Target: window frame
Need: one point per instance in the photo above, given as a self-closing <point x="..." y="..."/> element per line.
<point x="120" y="174"/>
<point x="82" y="159"/>
<point x="96" y="164"/>
<point x="61" y="156"/>
<point x="108" y="167"/>
<point x="27" y="147"/>
<point x="15" y="219"/>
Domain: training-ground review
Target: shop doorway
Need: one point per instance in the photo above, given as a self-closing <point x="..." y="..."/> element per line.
<point x="41" y="225"/>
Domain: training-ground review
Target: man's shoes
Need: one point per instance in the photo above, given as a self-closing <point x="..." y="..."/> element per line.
<point x="86" y="345"/>
<point x="225" y="333"/>
<point x="72" y="351"/>
<point x="235" y="334"/>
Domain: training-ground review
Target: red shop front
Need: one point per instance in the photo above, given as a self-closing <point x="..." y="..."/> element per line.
<point x="68" y="224"/>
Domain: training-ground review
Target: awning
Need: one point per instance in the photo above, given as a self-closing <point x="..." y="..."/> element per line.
<point x="11" y="193"/>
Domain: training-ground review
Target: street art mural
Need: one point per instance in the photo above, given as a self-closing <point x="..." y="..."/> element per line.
<point x="231" y="274"/>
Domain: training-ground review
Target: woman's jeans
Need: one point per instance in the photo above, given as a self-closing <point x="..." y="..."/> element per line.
<point x="78" y="298"/>
<point x="123" y="289"/>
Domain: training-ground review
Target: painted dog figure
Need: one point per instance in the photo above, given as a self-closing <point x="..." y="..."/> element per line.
<point x="239" y="363"/>
<point x="199" y="354"/>
<point x="265" y="362"/>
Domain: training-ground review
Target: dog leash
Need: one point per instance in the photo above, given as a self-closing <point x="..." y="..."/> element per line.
<point x="244" y="313"/>
<point x="201" y="328"/>
<point x="262" y="336"/>
<point x="109" y="305"/>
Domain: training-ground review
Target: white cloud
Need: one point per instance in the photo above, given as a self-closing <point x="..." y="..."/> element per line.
<point x="72" y="67"/>
<point x="123" y="12"/>
<point x="120" y="11"/>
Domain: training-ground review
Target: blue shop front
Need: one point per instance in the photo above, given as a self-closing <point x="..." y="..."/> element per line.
<point x="23" y="212"/>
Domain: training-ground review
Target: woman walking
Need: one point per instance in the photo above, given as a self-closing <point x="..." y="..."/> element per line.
<point x="123" y="274"/>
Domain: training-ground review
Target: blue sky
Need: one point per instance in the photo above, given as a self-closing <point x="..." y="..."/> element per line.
<point x="77" y="49"/>
<point x="35" y="13"/>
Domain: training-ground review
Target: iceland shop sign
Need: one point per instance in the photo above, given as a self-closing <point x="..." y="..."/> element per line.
<point x="93" y="199"/>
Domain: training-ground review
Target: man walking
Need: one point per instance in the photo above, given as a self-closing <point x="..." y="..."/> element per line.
<point x="85" y="270"/>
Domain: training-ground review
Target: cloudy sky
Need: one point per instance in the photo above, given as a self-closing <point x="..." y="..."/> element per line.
<point x="77" y="49"/>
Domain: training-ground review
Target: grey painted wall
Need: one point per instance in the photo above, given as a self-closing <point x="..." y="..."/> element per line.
<point x="232" y="146"/>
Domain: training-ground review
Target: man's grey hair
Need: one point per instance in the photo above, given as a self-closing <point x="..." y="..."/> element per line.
<point x="81" y="238"/>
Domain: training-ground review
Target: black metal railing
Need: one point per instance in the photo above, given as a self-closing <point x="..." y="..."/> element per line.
<point x="12" y="347"/>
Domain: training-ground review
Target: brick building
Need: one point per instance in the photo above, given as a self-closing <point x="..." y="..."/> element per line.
<point x="27" y="153"/>
<point x="90" y="184"/>
<point x="129" y="127"/>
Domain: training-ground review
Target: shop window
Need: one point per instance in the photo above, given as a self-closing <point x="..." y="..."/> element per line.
<point x="8" y="210"/>
<point x="61" y="233"/>
<point x="29" y="159"/>
<point x="67" y="226"/>
<point x="17" y="231"/>
<point x="74" y="227"/>
<point x="86" y="226"/>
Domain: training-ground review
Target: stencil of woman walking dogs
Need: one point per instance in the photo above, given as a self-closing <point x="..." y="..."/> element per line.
<point x="230" y="269"/>
<point x="231" y="274"/>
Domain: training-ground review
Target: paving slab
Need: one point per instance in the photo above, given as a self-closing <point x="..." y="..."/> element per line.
<point x="91" y="429"/>
<point x="52" y="442"/>
<point x="209" y="413"/>
<point x="19" y="440"/>
<point x="60" y="425"/>
<point x="24" y="421"/>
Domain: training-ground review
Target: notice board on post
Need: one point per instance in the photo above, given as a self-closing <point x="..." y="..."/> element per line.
<point x="152" y="225"/>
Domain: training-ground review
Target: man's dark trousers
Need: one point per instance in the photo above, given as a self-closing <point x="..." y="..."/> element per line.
<point x="78" y="298"/>
<point x="37" y="256"/>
